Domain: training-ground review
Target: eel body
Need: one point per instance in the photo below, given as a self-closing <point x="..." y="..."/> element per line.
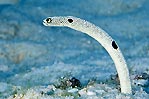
<point x="103" y="38"/>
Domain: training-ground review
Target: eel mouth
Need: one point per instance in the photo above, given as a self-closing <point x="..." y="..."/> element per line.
<point x="45" y="23"/>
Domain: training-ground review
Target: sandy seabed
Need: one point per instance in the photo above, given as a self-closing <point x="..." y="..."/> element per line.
<point x="33" y="57"/>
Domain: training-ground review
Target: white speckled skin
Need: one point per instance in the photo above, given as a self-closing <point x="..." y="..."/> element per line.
<point x="103" y="38"/>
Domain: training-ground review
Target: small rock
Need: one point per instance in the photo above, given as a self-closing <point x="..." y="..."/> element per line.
<point x="75" y="82"/>
<point x="90" y="93"/>
<point x="142" y="80"/>
<point x="74" y="90"/>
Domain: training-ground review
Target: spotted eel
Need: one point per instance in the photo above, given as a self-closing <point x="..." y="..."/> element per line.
<point x="103" y="38"/>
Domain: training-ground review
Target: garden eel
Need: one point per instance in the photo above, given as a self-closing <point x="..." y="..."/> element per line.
<point x="103" y="38"/>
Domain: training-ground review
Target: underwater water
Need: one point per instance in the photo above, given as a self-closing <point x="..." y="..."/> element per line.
<point x="33" y="58"/>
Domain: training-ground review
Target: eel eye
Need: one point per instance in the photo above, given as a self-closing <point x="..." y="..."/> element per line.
<point x="48" y="20"/>
<point x="70" y="20"/>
